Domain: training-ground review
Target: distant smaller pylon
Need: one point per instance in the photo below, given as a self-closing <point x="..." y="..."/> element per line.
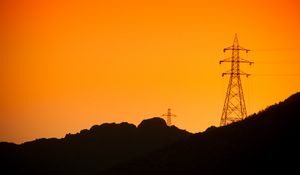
<point x="169" y="116"/>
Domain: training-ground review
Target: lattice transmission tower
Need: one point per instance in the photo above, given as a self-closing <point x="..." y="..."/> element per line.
<point x="169" y="116"/>
<point x="234" y="108"/>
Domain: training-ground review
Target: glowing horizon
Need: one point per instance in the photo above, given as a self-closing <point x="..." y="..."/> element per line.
<point x="68" y="65"/>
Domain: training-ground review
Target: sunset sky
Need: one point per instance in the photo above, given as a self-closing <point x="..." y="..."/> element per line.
<point x="68" y="65"/>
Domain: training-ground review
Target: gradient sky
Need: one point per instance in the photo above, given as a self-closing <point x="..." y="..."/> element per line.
<point x="68" y="65"/>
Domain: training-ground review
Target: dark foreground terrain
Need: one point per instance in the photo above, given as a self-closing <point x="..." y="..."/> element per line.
<point x="264" y="143"/>
<point x="89" y="151"/>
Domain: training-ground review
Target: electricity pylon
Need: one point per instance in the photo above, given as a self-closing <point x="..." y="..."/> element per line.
<point x="169" y="116"/>
<point x="234" y="107"/>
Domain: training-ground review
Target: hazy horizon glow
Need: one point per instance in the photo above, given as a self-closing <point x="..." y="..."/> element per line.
<point x="68" y="65"/>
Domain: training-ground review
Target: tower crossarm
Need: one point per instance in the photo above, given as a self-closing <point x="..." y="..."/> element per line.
<point x="225" y="60"/>
<point x="241" y="60"/>
<point x="236" y="48"/>
<point x="171" y="115"/>
<point x="232" y="73"/>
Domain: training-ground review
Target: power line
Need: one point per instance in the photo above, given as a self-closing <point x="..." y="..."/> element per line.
<point x="275" y="74"/>
<point x="297" y="48"/>
<point x="277" y="63"/>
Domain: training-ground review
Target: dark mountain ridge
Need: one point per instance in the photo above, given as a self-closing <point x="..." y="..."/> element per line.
<point x="88" y="151"/>
<point x="264" y="143"/>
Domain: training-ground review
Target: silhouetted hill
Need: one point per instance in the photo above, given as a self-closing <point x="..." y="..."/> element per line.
<point x="264" y="143"/>
<point x="89" y="151"/>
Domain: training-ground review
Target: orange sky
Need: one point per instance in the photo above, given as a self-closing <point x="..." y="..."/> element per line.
<point x="67" y="65"/>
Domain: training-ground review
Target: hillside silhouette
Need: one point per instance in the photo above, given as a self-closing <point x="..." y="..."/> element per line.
<point x="264" y="143"/>
<point x="89" y="151"/>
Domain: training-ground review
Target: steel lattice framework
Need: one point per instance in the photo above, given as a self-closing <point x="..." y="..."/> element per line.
<point x="169" y="116"/>
<point x="234" y="107"/>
